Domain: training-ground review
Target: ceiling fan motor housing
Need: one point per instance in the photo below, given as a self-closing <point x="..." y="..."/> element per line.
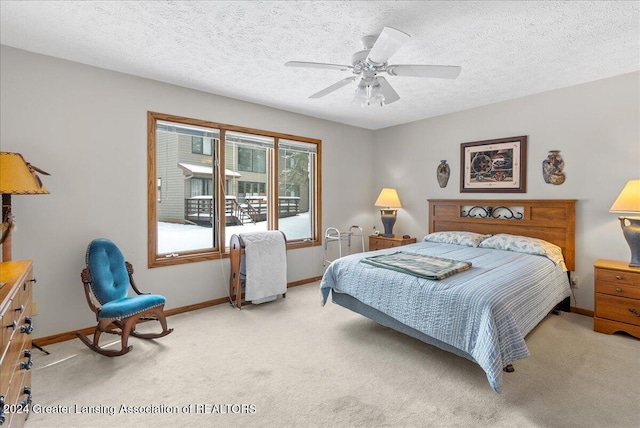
<point x="359" y="57"/>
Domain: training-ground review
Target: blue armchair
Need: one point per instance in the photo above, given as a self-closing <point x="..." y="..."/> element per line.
<point x="106" y="280"/>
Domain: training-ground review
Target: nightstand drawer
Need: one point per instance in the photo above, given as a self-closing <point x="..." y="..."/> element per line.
<point x="618" y="308"/>
<point x="380" y="245"/>
<point x="618" y="277"/>
<point x="376" y="246"/>
<point x="618" y="289"/>
<point x="381" y="242"/>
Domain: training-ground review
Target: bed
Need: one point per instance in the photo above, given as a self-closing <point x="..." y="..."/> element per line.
<point x="482" y="312"/>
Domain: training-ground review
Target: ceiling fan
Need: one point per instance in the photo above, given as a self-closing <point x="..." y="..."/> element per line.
<point x="368" y="63"/>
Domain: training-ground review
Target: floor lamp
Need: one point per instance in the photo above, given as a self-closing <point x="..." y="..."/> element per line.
<point x="17" y="177"/>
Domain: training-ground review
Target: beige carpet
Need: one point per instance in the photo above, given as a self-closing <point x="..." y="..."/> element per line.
<point x="293" y="363"/>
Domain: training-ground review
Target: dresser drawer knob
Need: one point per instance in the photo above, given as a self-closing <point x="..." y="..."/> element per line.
<point x="618" y="289"/>
<point x="27" y="328"/>
<point x="26" y="365"/>
<point x="618" y="277"/>
<point x="20" y="309"/>
<point x="634" y="312"/>
<point x="25" y="405"/>
<point x="13" y="325"/>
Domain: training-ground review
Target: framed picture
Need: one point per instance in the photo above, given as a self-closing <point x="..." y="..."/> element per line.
<point x="494" y="166"/>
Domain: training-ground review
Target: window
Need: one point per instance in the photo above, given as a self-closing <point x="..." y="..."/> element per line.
<point x="296" y="184"/>
<point x="248" y="154"/>
<point x="252" y="160"/>
<point x="270" y="183"/>
<point x="200" y="145"/>
<point x="250" y="188"/>
<point x="201" y="186"/>
<point x="185" y="210"/>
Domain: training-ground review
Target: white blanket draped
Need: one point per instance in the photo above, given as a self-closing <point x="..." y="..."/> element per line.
<point x="265" y="264"/>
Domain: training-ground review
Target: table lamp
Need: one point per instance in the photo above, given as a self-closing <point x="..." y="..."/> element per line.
<point x="17" y="177"/>
<point x="388" y="199"/>
<point x="629" y="202"/>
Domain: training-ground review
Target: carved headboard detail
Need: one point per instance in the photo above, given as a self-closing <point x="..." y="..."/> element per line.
<point x="550" y="219"/>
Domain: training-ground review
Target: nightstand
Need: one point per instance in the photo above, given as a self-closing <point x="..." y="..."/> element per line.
<point x="617" y="298"/>
<point x="380" y="242"/>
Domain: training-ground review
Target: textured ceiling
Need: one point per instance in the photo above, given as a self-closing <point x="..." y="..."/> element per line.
<point x="507" y="49"/>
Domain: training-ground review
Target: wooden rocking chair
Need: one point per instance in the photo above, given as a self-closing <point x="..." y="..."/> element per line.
<point x="107" y="278"/>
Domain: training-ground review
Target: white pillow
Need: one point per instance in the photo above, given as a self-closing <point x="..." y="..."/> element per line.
<point x="524" y="244"/>
<point x="470" y="239"/>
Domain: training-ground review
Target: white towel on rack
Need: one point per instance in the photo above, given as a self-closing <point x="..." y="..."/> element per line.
<point x="266" y="265"/>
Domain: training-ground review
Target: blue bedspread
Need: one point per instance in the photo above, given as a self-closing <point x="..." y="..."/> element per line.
<point x="485" y="312"/>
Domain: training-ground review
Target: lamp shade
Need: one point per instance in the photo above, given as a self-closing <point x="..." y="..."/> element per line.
<point x="17" y="177"/>
<point x="388" y="198"/>
<point x="628" y="200"/>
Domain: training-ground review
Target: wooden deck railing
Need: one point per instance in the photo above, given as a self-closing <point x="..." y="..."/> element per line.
<point x="288" y="206"/>
<point x="200" y="209"/>
<point x="235" y="213"/>
<point x="257" y="206"/>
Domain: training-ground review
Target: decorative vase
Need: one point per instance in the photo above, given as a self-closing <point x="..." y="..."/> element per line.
<point x="443" y="173"/>
<point x="552" y="168"/>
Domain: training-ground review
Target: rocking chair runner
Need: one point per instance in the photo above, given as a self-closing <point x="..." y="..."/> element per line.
<point x="107" y="278"/>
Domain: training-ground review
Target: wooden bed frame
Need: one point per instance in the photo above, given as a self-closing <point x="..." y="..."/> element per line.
<point x="550" y="219"/>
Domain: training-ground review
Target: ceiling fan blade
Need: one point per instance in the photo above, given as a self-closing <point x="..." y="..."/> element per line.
<point x="438" y="71"/>
<point x="317" y="65"/>
<point x="388" y="43"/>
<point x="390" y="95"/>
<point x="334" y="87"/>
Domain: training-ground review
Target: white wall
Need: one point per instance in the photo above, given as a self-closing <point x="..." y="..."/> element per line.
<point x="595" y="125"/>
<point x="88" y="128"/>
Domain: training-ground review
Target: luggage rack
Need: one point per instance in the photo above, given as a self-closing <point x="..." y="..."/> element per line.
<point x="333" y="234"/>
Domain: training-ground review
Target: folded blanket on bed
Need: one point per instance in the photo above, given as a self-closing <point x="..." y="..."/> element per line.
<point x="415" y="264"/>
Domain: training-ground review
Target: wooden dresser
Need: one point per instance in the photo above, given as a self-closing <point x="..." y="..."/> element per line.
<point x="617" y="298"/>
<point x="380" y="242"/>
<point x="15" y="362"/>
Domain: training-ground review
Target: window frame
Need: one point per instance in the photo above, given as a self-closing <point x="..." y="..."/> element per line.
<point x="220" y="250"/>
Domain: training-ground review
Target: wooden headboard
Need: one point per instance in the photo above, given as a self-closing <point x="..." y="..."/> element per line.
<point x="550" y="219"/>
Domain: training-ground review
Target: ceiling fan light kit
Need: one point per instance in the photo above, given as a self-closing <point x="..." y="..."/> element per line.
<point x="367" y="95"/>
<point x="367" y="64"/>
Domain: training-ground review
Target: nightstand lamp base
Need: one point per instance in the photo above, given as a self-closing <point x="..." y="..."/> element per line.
<point x="388" y="220"/>
<point x="631" y="233"/>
